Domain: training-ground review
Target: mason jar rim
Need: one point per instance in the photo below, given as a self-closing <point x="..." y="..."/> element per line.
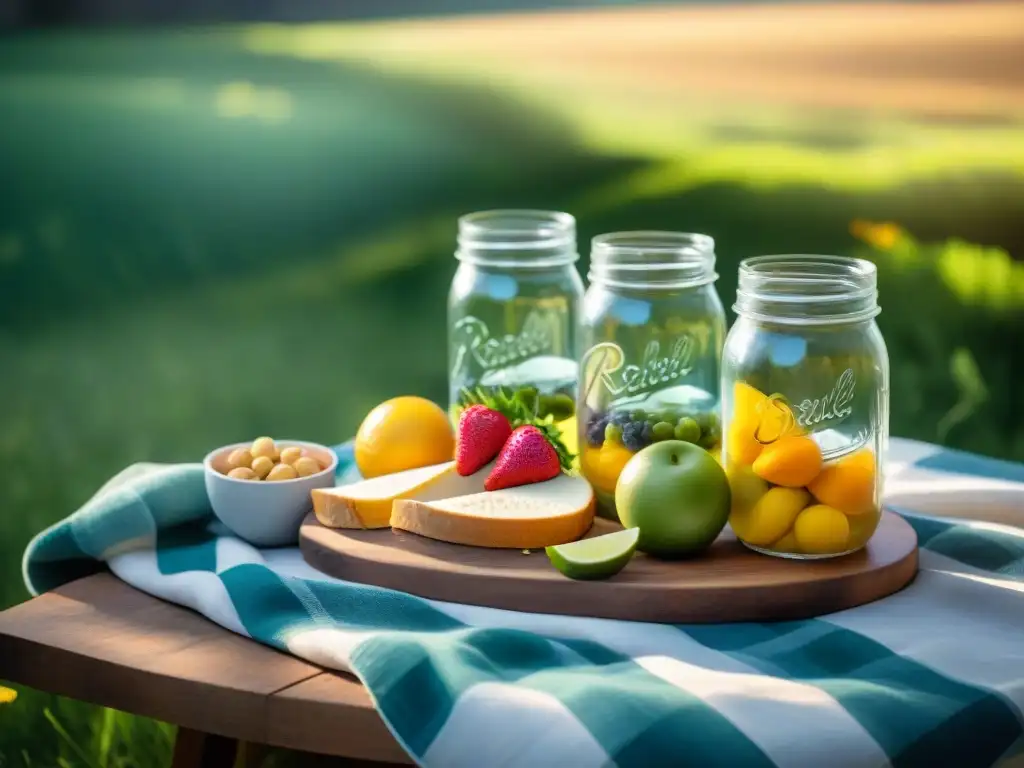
<point x="807" y="289"/>
<point x="652" y="259"/>
<point x="517" y="237"/>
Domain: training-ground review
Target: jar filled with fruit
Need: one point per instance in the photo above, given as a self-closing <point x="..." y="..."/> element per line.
<point x="512" y="316"/>
<point x="805" y="394"/>
<point x="652" y="330"/>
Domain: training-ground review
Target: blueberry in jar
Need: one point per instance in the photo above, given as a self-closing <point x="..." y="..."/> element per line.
<point x="595" y="429"/>
<point x="621" y="418"/>
<point x="632" y="436"/>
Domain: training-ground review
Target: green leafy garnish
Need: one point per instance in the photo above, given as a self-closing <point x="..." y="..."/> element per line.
<point x="519" y="413"/>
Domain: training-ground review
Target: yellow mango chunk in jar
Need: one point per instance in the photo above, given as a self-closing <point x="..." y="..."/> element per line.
<point x="756" y="420"/>
<point x="602" y="466"/>
<point x="771" y="517"/>
<point x="746" y="489"/>
<point x="787" y="544"/>
<point x="793" y="461"/>
<point x="822" y="530"/>
<point x="742" y="447"/>
<point x="862" y="528"/>
<point x="848" y="484"/>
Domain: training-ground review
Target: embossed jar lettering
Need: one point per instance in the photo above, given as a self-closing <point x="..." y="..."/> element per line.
<point x="803" y="447"/>
<point x="512" y="313"/>
<point x="653" y="327"/>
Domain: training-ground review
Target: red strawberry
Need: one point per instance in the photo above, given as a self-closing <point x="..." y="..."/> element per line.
<point x="527" y="457"/>
<point x="480" y="436"/>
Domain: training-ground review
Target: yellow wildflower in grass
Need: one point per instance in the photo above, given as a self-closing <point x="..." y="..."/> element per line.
<point x="7" y="695"/>
<point x="881" y="235"/>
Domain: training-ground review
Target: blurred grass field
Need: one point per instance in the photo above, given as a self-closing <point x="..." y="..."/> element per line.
<point x="211" y="234"/>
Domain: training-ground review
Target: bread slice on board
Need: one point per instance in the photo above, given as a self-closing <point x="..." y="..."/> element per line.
<point x="367" y="503"/>
<point x="525" y="517"/>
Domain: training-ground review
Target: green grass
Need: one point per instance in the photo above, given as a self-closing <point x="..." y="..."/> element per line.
<point x="173" y="279"/>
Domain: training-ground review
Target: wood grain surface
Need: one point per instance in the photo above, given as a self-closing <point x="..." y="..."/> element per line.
<point x="331" y="714"/>
<point x="101" y="641"/>
<point x="728" y="583"/>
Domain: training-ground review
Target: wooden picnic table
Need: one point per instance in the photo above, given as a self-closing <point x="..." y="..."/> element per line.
<point x="99" y="640"/>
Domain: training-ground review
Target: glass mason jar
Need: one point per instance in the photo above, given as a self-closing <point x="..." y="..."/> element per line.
<point x="652" y="330"/>
<point x="805" y="395"/>
<point x="513" y="313"/>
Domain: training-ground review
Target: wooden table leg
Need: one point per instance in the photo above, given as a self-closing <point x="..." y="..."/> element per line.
<point x="195" y="749"/>
<point x="250" y="754"/>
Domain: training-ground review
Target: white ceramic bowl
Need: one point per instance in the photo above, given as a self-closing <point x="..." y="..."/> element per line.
<point x="267" y="514"/>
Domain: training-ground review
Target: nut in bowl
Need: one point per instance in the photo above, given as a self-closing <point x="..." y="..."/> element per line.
<point x="261" y="489"/>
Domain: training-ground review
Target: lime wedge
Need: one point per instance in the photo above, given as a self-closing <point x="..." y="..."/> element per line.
<point x="596" y="558"/>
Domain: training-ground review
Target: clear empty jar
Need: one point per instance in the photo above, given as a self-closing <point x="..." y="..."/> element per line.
<point x="805" y="394"/>
<point x="513" y="312"/>
<point x="652" y="334"/>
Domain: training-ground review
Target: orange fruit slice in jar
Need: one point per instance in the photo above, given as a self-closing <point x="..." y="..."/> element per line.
<point x="847" y="484"/>
<point x="792" y="461"/>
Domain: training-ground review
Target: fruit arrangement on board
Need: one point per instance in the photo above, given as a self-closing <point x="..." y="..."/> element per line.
<point x="785" y="497"/>
<point x="503" y="478"/>
<point x="500" y="479"/>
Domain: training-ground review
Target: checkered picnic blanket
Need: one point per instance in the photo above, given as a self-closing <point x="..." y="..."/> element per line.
<point x="932" y="676"/>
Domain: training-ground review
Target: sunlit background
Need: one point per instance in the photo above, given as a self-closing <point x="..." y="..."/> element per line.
<point x="215" y="224"/>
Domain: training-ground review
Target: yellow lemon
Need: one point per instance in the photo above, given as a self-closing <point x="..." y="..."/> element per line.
<point x="822" y="530"/>
<point x="848" y="484"/>
<point x="403" y="433"/>
<point x="793" y="461"/>
<point x="771" y="517"/>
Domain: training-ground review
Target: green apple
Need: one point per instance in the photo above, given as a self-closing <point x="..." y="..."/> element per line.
<point x="677" y="495"/>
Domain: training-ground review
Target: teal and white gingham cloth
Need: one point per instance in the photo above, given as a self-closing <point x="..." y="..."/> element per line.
<point x="932" y="676"/>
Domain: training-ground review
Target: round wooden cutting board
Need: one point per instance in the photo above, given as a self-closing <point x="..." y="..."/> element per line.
<point x="728" y="583"/>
